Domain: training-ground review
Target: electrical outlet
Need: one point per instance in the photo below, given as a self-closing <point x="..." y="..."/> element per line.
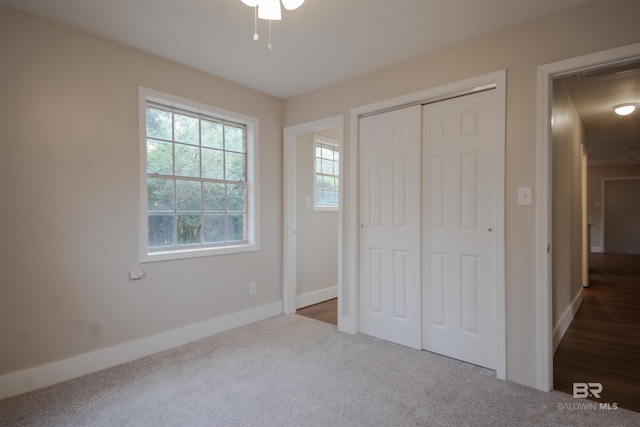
<point x="136" y="274"/>
<point x="252" y="289"/>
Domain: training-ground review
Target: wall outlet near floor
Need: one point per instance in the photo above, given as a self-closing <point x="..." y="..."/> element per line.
<point x="252" y="289"/>
<point x="136" y="274"/>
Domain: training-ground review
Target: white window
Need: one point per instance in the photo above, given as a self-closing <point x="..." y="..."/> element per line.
<point x="199" y="194"/>
<point x="327" y="171"/>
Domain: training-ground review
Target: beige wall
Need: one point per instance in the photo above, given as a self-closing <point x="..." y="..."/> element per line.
<point x="592" y="27"/>
<point x="567" y="206"/>
<point x="595" y="175"/>
<point x="316" y="231"/>
<point x="69" y="217"/>
<point x="69" y="169"/>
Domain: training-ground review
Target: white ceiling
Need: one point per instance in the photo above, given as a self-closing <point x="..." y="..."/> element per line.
<point x="322" y="42"/>
<point x="327" y="41"/>
<point x="610" y="139"/>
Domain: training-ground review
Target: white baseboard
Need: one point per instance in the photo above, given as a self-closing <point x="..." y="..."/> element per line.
<point x="565" y="320"/>
<point x="316" y="297"/>
<point x="42" y="376"/>
<point x="596" y="249"/>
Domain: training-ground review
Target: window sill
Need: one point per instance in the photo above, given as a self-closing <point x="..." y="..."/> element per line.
<point x="170" y="255"/>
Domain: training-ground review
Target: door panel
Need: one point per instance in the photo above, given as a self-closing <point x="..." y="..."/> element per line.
<point x="458" y="243"/>
<point x="390" y="191"/>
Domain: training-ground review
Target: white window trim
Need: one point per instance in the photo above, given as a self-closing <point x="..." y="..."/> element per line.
<point x="336" y="144"/>
<point x="253" y="172"/>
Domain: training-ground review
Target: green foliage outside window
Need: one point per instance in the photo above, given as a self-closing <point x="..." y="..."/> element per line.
<point x="196" y="180"/>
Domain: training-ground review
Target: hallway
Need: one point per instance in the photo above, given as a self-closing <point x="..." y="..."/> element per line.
<point x="602" y="343"/>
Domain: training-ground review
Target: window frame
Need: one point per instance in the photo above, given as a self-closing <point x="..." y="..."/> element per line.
<point x="252" y="243"/>
<point x="317" y="139"/>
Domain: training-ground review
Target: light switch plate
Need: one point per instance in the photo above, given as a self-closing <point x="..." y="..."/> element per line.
<point x="524" y="196"/>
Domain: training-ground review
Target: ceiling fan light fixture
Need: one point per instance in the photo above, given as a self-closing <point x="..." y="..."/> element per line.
<point x="270" y="9"/>
<point x="292" y="4"/>
<point x="625" y="109"/>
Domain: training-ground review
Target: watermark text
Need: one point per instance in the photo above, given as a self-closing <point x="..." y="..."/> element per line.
<point x="586" y="391"/>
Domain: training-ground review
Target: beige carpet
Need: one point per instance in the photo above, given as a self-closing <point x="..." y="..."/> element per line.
<point x="294" y="371"/>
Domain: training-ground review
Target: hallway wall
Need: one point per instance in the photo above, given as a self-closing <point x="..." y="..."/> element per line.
<point x="568" y="224"/>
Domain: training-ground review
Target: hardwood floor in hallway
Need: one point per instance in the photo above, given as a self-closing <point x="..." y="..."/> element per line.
<point x="602" y="343"/>
<point x="325" y="311"/>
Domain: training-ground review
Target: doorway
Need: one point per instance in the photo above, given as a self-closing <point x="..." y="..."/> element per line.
<point x="594" y="333"/>
<point x="317" y="215"/>
<point x="301" y="199"/>
<point x="544" y="241"/>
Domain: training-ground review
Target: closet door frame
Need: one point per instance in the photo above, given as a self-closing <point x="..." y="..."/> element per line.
<point x="348" y="317"/>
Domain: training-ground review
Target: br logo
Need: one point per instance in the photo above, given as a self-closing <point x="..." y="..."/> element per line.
<point x="585" y="390"/>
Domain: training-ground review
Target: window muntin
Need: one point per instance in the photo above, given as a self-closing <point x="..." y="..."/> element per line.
<point x="197" y="177"/>
<point x="326" y="176"/>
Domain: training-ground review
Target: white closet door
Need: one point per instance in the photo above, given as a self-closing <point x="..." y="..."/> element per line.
<point x="459" y="215"/>
<point x="390" y="261"/>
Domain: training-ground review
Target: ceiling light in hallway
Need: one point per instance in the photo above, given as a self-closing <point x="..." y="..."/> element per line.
<point x="625" y="109"/>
